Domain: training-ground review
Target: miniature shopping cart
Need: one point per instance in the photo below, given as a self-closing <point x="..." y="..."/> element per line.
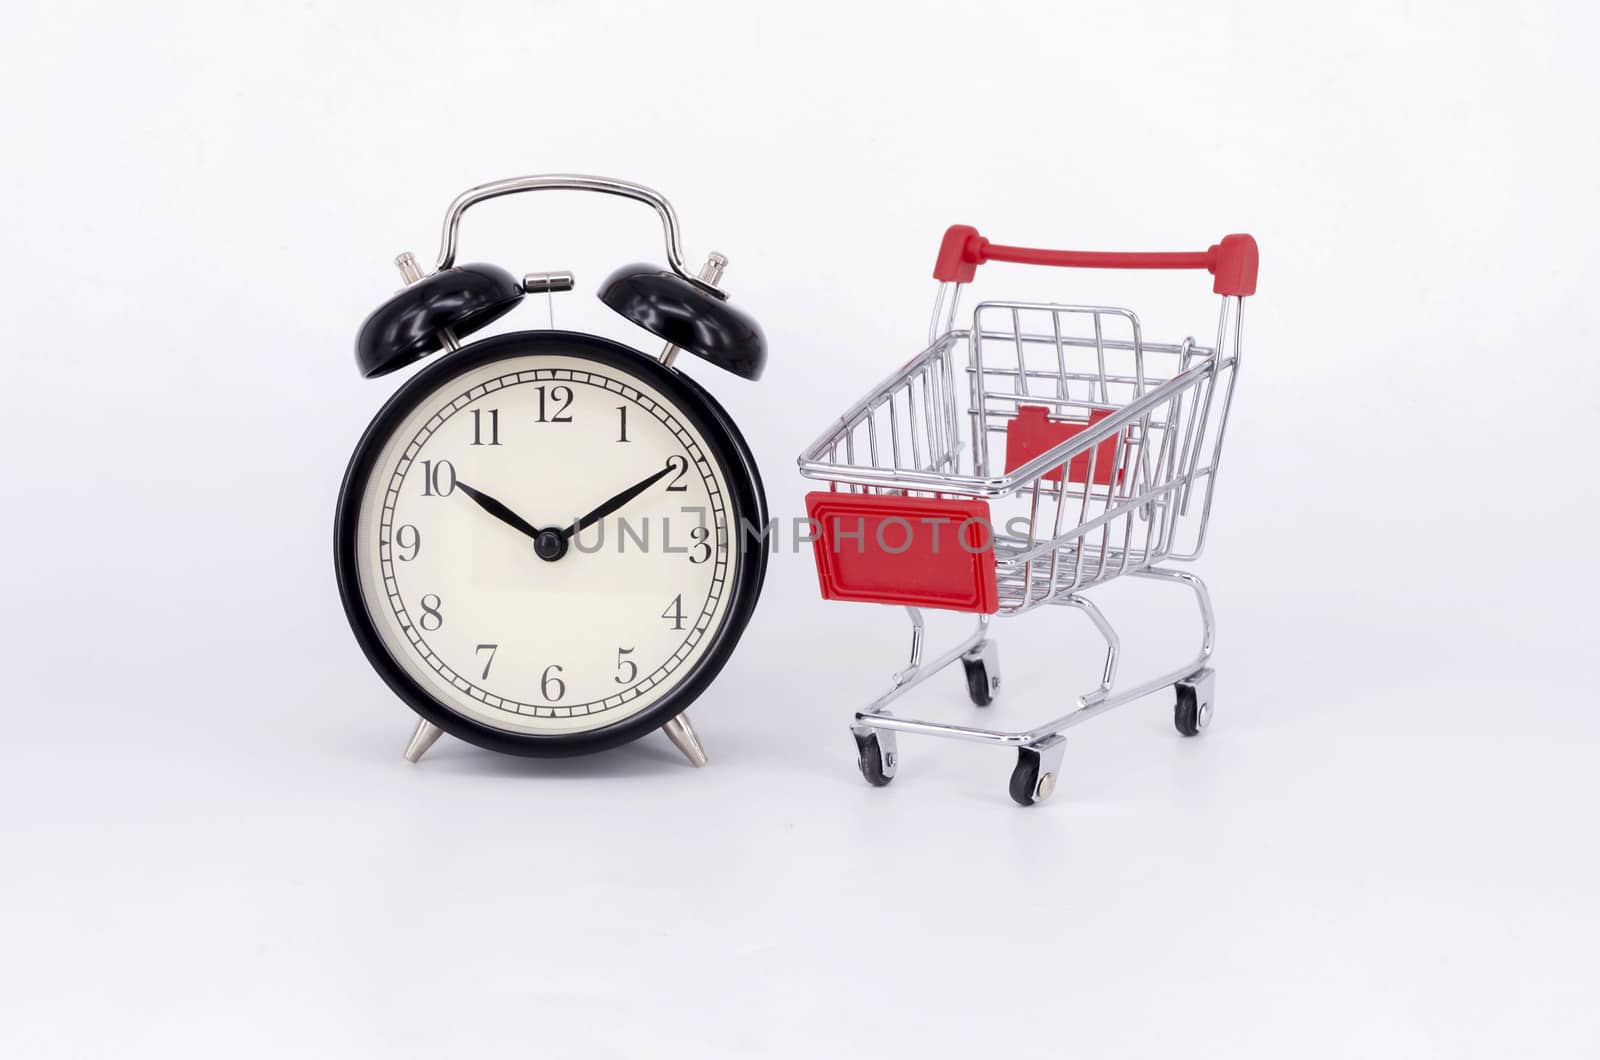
<point x="1062" y="451"/>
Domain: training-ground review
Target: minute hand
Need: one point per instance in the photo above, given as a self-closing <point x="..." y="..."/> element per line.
<point x="615" y="502"/>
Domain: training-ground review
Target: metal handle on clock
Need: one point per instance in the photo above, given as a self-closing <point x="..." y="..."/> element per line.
<point x="568" y="182"/>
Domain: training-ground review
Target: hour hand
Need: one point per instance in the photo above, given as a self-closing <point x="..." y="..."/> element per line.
<point x="498" y="510"/>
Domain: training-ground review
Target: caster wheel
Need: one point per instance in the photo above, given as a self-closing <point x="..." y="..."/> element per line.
<point x="978" y="683"/>
<point x="983" y="674"/>
<point x="1186" y="714"/>
<point x="875" y="766"/>
<point x="1025" y="778"/>
<point x="1034" y="780"/>
<point x="1192" y="712"/>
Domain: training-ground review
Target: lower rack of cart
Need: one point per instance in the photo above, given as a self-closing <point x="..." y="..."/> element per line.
<point x="1039" y="749"/>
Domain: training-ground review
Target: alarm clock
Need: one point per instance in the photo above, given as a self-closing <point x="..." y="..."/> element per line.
<point x="547" y="542"/>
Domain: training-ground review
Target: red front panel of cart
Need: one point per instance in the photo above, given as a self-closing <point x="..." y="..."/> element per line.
<point x="917" y="551"/>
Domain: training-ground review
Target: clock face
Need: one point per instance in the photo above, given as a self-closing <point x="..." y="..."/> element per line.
<point x="545" y="544"/>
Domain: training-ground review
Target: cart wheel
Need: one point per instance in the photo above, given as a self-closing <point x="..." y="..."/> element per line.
<point x="1025" y="778"/>
<point x="1038" y="770"/>
<point x="1192" y="712"/>
<point x="1186" y="713"/>
<point x="983" y="673"/>
<point x="870" y="760"/>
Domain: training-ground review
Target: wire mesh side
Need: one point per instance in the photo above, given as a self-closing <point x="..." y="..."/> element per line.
<point x="1099" y="522"/>
<point x="906" y="426"/>
<point x="1088" y="522"/>
<point x="1210" y="425"/>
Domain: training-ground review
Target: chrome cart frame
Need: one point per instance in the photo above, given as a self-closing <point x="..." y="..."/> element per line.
<point x="1096" y="452"/>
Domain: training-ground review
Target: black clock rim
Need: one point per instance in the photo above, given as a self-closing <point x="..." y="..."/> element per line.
<point x="726" y="445"/>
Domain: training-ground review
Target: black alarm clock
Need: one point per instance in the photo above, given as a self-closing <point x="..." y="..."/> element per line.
<point x="547" y="542"/>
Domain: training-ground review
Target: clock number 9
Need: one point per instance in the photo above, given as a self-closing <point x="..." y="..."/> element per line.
<point x="414" y="543"/>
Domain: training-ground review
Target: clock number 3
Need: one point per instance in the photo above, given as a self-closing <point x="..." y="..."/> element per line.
<point x="701" y="536"/>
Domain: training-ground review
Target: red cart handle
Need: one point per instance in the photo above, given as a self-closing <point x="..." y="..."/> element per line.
<point x="1233" y="261"/>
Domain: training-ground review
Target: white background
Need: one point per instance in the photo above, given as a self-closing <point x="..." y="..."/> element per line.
<point x="1383" y="847"/>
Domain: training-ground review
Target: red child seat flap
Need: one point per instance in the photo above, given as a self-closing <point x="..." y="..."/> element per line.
<point x="1033" y="432"/>
<point x="891" y="549"/>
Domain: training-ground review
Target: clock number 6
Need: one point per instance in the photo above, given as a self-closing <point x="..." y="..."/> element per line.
<point x="552" y="688"/>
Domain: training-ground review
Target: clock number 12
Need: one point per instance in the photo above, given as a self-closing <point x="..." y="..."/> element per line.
<point x="561" y="398"/>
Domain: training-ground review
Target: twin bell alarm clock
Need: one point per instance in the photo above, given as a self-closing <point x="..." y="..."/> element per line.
<point x="540" y="540"/>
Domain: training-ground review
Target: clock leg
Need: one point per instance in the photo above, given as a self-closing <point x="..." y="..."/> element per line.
<point x="421" y="740"/>
<point x="681" y="733"/>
